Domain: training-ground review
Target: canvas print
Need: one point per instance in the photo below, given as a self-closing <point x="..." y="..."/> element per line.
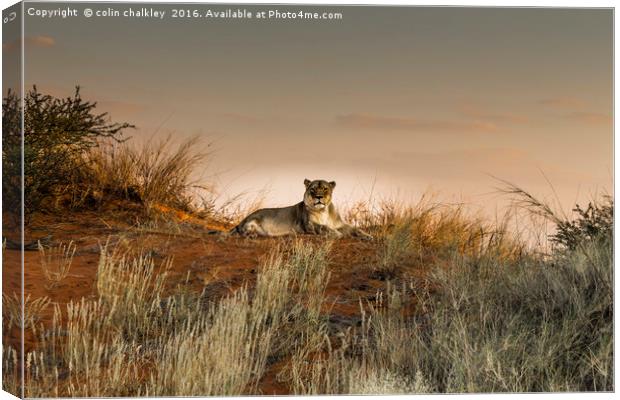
<point x="257" y="199"/>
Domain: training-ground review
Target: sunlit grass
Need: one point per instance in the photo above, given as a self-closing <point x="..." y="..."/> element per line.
<point x="499" y="318"/>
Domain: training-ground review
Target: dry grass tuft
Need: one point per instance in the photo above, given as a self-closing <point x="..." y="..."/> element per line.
<point x="494" y="324"/>
<point x="220" y="354"/>
<point x="56" y="262"/>
<point x="98" y="347"/>
<point x="429" y="229"/>
<point x="12" y="310"/>
<point x="396" y="245"/>
<point x="158" y="172"/>
<point x="11" y="374"/>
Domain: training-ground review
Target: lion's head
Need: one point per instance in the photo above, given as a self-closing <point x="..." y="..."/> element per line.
<point x="318" y="194"/>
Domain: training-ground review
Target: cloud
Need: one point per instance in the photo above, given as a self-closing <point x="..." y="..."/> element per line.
<point x="31" y="41"/>
<point x="563" y="102"/>
<point x="40" y="41"/>
<point x="488" y="159"/>
<point x="575" y="108"/>
<point x="473" y="165"/>
<point x="590" y="118"/>
<point x="9" y="46"/>
<point x="375" y="122"/>
<point x="269" y="124"/>
<point x="501" y="117"/>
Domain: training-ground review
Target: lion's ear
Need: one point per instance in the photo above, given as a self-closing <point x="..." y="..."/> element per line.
<point x="332" y="184"/>
<point x="307" y="182"/>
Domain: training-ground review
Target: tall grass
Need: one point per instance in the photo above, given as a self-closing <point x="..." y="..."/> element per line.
<point x="12" y="314"/>
<point x="491" y="316"/>
<point x="396" y="245"/>
<point x="132" y="288"/>
<point x="11" y="374"/>
<point x="221" y="354"/>
<point x="56" y="262"/>
<point x="530" y="326"/>
<point x="499" y="319"/>
<point x="134" y="339"/>
<point x="431" y="229"/>
<point x="157" y="172"/>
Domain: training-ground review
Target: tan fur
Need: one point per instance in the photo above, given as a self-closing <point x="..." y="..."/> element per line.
<point x="316" y="214"/>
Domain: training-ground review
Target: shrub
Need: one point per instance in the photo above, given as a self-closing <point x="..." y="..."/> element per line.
<point x="11" y="155"/>
<point x="56" y="132"/>
<point x="594" y="222"/>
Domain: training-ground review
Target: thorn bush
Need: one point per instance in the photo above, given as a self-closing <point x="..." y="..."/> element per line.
<point x="56" y="131"/>
<point x="595" y="222"/>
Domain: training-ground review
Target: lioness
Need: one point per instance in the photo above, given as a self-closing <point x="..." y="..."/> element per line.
<point x="316" y="214"/>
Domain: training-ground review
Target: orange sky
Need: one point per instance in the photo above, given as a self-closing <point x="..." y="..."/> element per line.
<point x="389" y="101"/>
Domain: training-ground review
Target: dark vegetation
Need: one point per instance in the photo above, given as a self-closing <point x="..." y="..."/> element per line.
<point x="77" y="158"/>
<point x="56" y="135"/>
